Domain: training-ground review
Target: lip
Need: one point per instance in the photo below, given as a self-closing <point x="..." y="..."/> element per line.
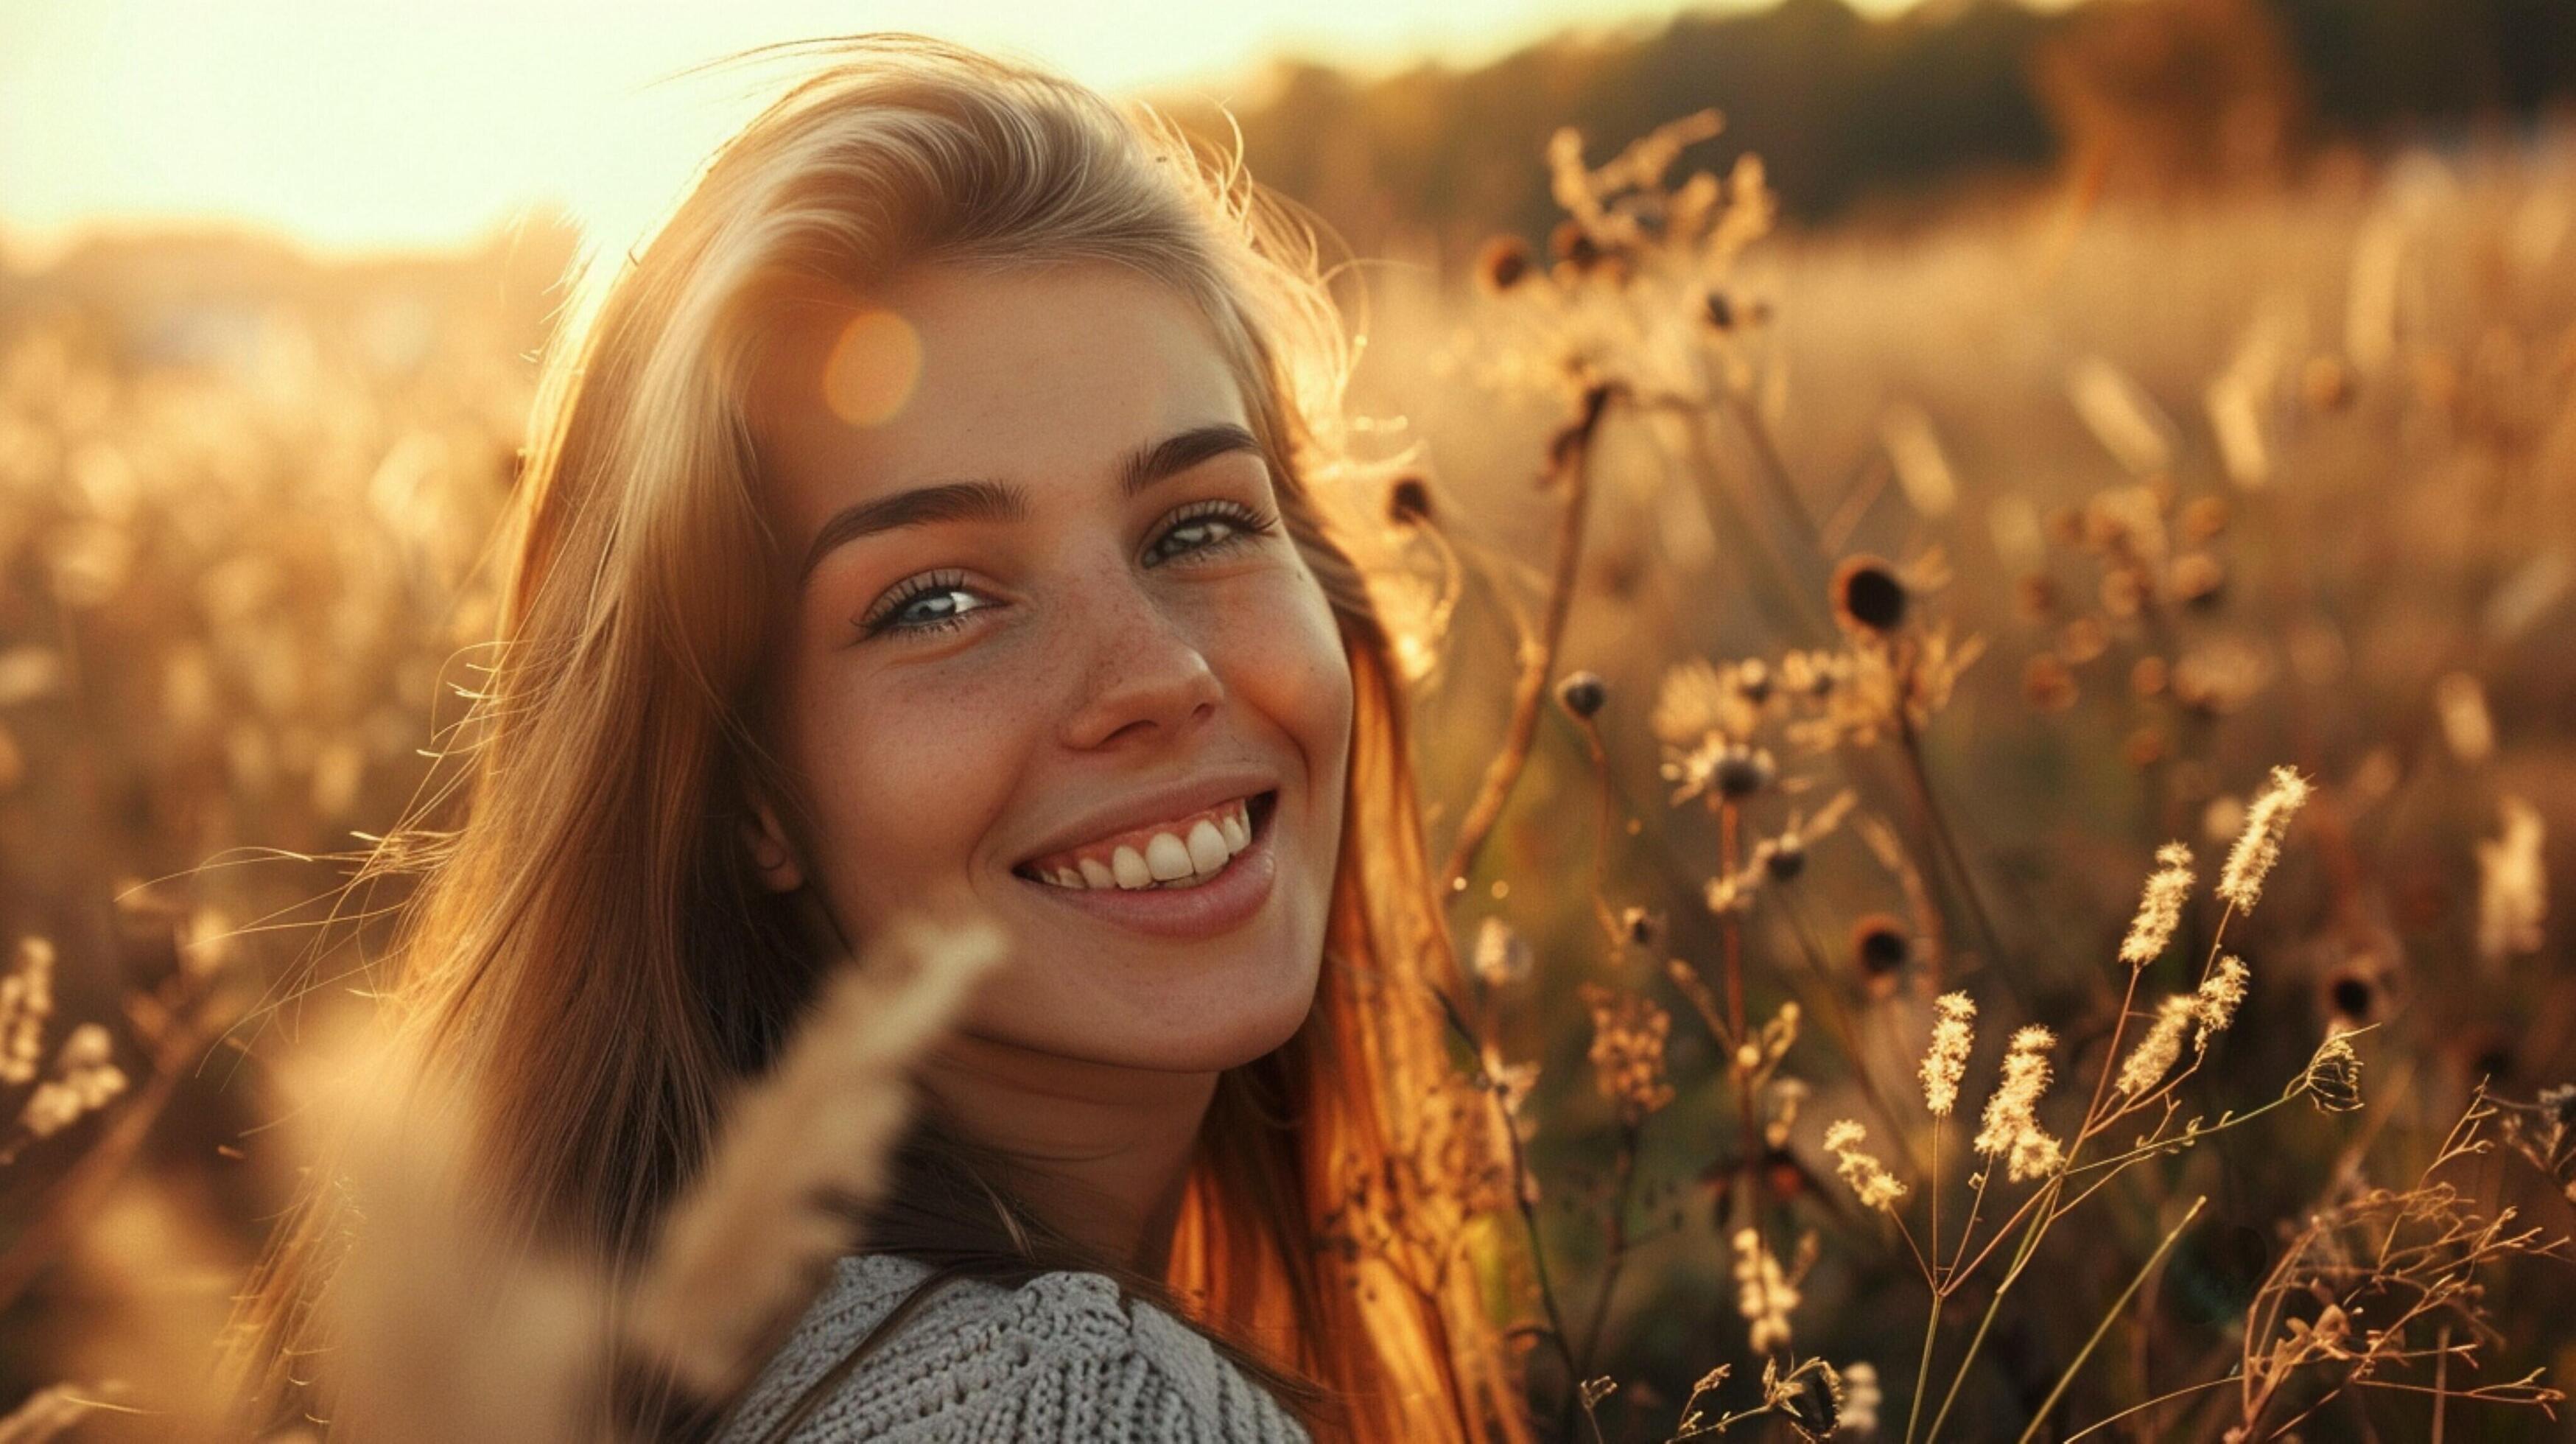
<point x="1219" y="905"/>
<point x="1196" y="795"/>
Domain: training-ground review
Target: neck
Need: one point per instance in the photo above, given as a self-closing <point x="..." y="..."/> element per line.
<point x="1105" y="1148"/>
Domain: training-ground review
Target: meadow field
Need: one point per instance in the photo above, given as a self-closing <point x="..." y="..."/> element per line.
<point x="2005" y="771"/>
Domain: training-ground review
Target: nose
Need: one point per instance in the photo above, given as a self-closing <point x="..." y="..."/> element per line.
<point x="1146" y="673"/>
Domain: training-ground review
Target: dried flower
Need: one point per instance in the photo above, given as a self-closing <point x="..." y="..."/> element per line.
<point x="1741" y="771"/>
<point x="1735" y="770"/>
<point x="1861" y="1398"/>
<point x="1640" y="927"/>
<point x="1870" y="1181"/>
<point x="1880" y="945"/>
<point x="1868" y="595"/>
<point x="1581" y="693"/>
<point x="1763" y="1295"/>
<point x="2332" y="1079"/>
<point x="1628" y="1031"/>
<point x="2259" y="846"/>
<point x="1782" y="857"/>
<point x="26" y="1001"/>
<point x="83" y="1081"/>
<point x="1946" y="1062"/>
<point x="2160" y="907"/>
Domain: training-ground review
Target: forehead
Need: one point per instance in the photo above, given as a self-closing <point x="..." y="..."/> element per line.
<point x="1048" y="376"/>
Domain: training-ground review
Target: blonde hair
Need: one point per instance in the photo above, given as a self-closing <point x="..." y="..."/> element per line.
<point x="589" y="948"/>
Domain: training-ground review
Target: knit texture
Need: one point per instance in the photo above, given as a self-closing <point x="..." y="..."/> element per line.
<point x="1060" y="1357"/>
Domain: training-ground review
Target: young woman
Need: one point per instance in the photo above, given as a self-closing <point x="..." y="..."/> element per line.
<point x="947" y="499"/>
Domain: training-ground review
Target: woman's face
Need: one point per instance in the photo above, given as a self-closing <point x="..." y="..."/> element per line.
<point x="1044" y="617"/>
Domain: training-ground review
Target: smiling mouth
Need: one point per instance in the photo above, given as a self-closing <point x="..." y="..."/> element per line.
<point x="1178" y="857"/>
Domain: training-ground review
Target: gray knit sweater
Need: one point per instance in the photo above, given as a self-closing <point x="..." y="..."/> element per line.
<point x="1060" y="1357"/>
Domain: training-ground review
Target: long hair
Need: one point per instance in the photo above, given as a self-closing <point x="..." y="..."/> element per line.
<point x="588" y="948"/>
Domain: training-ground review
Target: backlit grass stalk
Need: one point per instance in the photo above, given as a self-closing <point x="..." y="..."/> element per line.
<point x="1569" y="457"/>
<point x="2049" y="1404"/>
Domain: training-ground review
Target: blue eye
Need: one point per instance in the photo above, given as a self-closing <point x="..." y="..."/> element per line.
<point x="1228" y="522"/>
<point x="889" y="616"/>
<point x="1234" y="522"/>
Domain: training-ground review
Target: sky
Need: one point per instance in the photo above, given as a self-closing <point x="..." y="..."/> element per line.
<point x="374" y="125"/>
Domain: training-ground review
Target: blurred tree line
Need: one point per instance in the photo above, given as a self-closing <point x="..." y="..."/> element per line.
<point x="1849" y="111"/>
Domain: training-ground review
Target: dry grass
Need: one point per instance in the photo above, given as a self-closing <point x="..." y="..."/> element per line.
<point x="1886" y="609"/>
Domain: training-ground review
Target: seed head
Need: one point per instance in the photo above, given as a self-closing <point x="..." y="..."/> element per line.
<point x="2332" y="1080"/>
<point x="2259" y="846"/>
<point x="2154" y="1056"/>
<point x="1870" y="1181"/>
<point x="1582" y="693"/>
<point x="1868" y="595"/>
<point x="1946" y="1062"/>
<point x="1763" y="1294"/>
<point x="1783" y="857"/>
<point x="26" y="1001"/>
<point x="1880" y="946"/>
<point x="1572" y="244"/>
<point x="2160" y="908"/>
<point x="2220" y="995"/>
<point x="2011" y="1124"/>
<point x="1742" y="771"/>
<point x="1504" y="263"/>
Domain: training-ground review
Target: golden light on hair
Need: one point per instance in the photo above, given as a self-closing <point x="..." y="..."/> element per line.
<point x="873" y="369"/>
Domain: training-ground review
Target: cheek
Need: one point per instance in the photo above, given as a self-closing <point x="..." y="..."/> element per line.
<point x="1295" y="672"/>
<point x="907" y="776"/>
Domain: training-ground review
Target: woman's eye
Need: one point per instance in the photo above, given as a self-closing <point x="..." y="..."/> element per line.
<point x="1227" y="522"/>
<point x="912" y="608"/>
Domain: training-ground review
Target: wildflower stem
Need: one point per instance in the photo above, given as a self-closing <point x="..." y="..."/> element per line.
<point x="1520" y="1197"/>
<point x="2021" y="1260"/>
<point x="1923" y="1369"/>
<point x="2049" y="1404"/>
<point x="2169" y="1144"/>
<point x="1570" y="462"/>
<point x="1933" y="1278"/>
<point x="2168" y="1396"/>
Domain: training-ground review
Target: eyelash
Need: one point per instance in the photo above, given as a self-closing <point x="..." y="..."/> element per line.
<point x="1246" y="522"/>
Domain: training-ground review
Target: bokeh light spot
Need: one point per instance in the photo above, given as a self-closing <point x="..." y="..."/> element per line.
<point x="873" y="368"/>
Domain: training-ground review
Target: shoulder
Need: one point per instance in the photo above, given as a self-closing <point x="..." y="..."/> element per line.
<point x="1062" y="1356"/>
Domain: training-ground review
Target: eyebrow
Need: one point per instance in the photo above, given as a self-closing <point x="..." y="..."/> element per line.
<point x="991" y="501"/>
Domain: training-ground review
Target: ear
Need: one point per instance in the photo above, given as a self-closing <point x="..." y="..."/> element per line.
<point x="772" y="855"/>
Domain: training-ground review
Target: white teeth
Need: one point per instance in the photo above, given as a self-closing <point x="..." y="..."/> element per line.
<point x="1208" y="850"/>
<point x="1129" y="865"/>
<point x="1169" y="858"/>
